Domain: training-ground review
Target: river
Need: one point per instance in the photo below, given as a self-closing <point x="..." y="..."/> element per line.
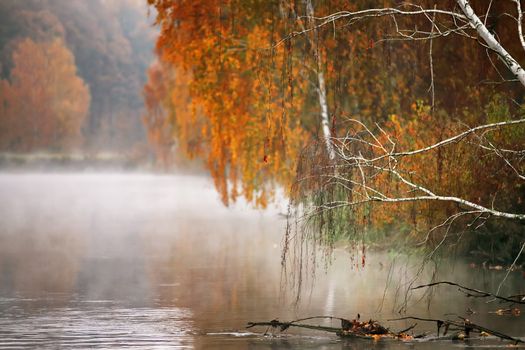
<point x="142" y="261"/>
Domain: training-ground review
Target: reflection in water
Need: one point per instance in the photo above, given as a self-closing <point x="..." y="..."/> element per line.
<point x="143" y="261"/>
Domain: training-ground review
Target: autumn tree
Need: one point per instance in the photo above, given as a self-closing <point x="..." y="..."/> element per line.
<point x="44" y="103"/>
<point x="407" y="74"/>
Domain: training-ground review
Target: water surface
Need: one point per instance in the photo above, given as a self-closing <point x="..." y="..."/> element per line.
<point x="157" y="262"/>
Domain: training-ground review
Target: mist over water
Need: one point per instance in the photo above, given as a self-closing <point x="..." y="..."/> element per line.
<point x="156" y="261"/>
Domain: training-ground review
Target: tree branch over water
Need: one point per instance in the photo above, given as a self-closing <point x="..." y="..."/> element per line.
<point x="379" y="156"/>
<point x="471" y="292"/>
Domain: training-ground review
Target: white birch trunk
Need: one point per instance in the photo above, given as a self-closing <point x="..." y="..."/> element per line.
<point x="325" y="121"/>
<point x="321" y="89"/>
<point x="491" y="41"/>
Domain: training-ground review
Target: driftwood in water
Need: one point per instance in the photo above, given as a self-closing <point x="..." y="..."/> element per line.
<point x="372" y="330"/>
<point x="285" y="325"/>
<point x="349" y="328"/>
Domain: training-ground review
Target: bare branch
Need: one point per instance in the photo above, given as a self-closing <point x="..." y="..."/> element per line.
<point x="380" y="159"/>
<point x="355" y="16"/>
<point x="387" y="11"/>
<point x="469" y="291"/>
<point x="464" y="202"/>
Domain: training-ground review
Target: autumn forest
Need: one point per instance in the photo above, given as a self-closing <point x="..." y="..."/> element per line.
<point x="72" y="74"/>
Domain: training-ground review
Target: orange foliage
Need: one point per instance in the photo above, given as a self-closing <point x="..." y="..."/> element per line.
<point x="233" y="114"/>
<point x="44" y="103"/>
<point x="254" y="104"/>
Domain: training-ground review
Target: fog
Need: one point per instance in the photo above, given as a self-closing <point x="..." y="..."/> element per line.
<point x="146" y="260"/>
<point x="102" y="231"/>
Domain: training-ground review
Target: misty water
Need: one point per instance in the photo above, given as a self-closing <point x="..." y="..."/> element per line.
<point x="144" y="261"/>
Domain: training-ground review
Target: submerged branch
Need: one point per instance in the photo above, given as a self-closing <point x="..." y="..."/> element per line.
<point x="350" y="329"/>
<point x="372" y="330"/>
<point x="285" y="325"/>
<point x="464" y="325"/>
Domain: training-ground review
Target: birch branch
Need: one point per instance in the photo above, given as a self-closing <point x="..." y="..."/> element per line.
<point x="321" y="84"/>
<point x="354" y="16"/>
<point x="447" y="141"/>
<point x="491" y="41"/>
<point x="369" y="193"/>
<point x="520" y="22"/>
<point x="464" y="202"/>
<point x="460" y="136"/>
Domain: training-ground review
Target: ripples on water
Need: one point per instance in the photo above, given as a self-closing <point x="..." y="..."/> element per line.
<point x="87" y="326"/>
<point x="157" y="262"/>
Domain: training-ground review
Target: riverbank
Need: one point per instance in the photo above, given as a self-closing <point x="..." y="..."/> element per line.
<point x="93" y="161"/>
<point x="71" y="161"/>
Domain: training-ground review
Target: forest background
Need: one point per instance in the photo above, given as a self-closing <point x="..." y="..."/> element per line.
<point x="72" y="74"/>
